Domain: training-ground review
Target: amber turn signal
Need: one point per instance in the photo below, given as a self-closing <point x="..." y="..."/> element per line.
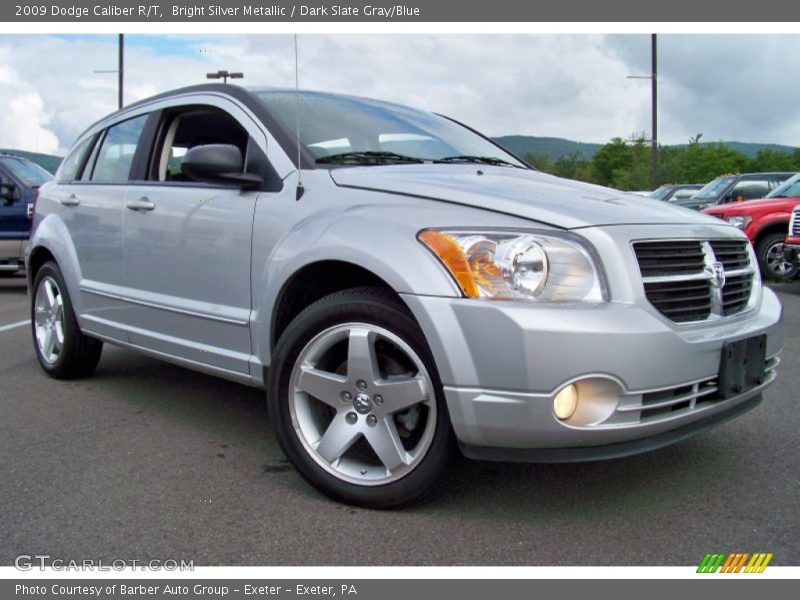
<point x="448" y="250"/>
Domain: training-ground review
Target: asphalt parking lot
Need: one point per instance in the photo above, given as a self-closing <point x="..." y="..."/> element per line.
<point x="146" y="460"/>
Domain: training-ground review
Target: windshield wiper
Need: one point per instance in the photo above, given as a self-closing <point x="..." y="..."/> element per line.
<point x="367" y="158"/>
<point x="486" y="160"/>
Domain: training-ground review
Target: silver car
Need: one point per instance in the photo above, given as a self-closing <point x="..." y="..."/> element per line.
<point x="400" y="286"/>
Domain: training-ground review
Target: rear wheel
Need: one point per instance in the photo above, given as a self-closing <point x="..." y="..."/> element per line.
<point x="356" y="402"/>
<point x="771" y="259"/>
<point x="64" y="352"/>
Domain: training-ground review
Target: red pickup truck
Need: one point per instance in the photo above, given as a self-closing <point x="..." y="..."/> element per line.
<point x="766" y="222"/>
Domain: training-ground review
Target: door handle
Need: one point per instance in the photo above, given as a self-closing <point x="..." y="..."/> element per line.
<point x="71" y="200"/>
<point x="143" y="204"/>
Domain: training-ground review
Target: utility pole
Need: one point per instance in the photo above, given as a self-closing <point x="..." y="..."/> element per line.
<point x="653" y="77"/>
<point x="120" y="68"/>
<point x="654" y="137"/>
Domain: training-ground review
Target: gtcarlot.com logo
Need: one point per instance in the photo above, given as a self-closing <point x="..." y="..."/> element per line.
<point x="737" y="562"/>
<point x="28" y="562"/>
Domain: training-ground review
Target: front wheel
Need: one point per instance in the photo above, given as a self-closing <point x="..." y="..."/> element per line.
<point x="356" y="402"/>
<point x="64" y="352"/>
<point x="773" y="263"/>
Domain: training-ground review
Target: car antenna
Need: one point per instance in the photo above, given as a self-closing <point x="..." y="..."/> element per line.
<point x="300" y="189"/>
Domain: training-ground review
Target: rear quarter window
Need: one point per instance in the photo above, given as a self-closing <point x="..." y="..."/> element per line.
<point x="72" y="166"/>
<point x="115" y="158"/>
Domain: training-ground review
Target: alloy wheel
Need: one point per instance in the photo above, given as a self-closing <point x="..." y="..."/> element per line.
<point x="777" y="265"/>
<point x="362" y="404"/>
<point x="49" y="320"/>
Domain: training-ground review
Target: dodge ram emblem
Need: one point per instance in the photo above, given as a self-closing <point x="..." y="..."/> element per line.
<point x="718" y="271"/>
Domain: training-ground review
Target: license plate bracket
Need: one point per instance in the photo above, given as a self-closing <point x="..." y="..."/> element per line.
<point x="742" y="365"/>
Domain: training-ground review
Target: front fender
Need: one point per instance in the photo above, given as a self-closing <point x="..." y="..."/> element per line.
<point x="370" y="229"/>
<point x="770" y="220"/>
<point x="391" y="253"/>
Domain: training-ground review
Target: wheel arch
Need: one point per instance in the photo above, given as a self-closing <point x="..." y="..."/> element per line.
<point x="51" y="241"/>
<point x="36" y="258"/>
<point x="775" y="225"/>
<point x="314" y="281"/>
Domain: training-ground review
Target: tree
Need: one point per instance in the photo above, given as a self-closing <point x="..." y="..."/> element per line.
<point x="624" y="165"/>
<point x="573" y="166"/>
<point x="540" y="160"/>
<point x="772" y="160"/>
<point x="611" y="161"/>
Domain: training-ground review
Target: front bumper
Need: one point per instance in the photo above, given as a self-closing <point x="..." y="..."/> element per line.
<point x="502" y="363"/>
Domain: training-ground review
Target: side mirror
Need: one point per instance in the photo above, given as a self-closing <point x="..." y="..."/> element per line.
<point x="8" y="191"/>
<point x="220" y="164"/>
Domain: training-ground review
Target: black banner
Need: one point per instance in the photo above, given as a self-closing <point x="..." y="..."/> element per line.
<point x="397" y="11"/>
<point x="391" y="589"/>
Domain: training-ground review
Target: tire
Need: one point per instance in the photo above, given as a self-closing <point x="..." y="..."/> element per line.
<point x="373" y="430"/>
<point x="770" y="258"/>
<point x="64" y="352"/>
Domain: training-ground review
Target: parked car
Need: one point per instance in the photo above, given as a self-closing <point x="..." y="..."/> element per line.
<point x="734" y="188"/>
<point x="19" y="183"/>
<point x="399" y="284"/>
<point x="676" y="192"/>
<point x="765" y="223"/>
<point x="791" y="249"/>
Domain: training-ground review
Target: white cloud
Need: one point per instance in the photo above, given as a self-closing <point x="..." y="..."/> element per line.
<point x="24" y="121"/>
<point x="572" y="86"/>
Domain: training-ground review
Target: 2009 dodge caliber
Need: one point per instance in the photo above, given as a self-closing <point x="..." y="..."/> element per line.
<point x="400" y="285"/>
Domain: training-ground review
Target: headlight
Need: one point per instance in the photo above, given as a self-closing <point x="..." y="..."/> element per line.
<point x="546" y="267"/>
<point x="740" y="221"/>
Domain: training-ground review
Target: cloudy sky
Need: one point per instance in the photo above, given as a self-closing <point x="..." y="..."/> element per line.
<point x="740" y="88"/>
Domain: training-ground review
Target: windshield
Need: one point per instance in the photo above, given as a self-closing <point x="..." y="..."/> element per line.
<point x="661" y="192"/>
<point x="788" y="189"/>
<point x="27" y="172"/>
<point x="714" y="188"/>
<point x="346" y="130"/>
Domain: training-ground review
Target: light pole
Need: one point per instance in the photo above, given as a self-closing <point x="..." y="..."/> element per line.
<point x="653" y="77"/>
<point x="120" y="70"/>
<point x="224" y="75"/>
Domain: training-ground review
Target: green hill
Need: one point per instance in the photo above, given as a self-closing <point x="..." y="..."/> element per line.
<point x="46" y="161"/>
<point x="555" y="148"/>
<point x="520" y="145"/>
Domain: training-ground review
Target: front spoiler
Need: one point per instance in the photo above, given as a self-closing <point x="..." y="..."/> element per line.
<point x="609" y="451"/>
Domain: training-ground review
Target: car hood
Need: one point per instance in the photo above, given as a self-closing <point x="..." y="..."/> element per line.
<point x="748" y="206"/>
<point x="526" y="193"/>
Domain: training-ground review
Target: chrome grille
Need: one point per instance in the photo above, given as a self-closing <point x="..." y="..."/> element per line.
<point x="736" y="294"/>
<point x="794" y="223"/>
<point x="668" y="257"/>
<point x="681" y="301"/>
<point x="733" y="254"/>
<point x="684" y="281"/>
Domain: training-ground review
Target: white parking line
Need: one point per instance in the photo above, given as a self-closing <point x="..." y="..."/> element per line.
<point x="14" y="325"/>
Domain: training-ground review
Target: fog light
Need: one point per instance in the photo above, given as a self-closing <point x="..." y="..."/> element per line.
<point x="565" y="402"/>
